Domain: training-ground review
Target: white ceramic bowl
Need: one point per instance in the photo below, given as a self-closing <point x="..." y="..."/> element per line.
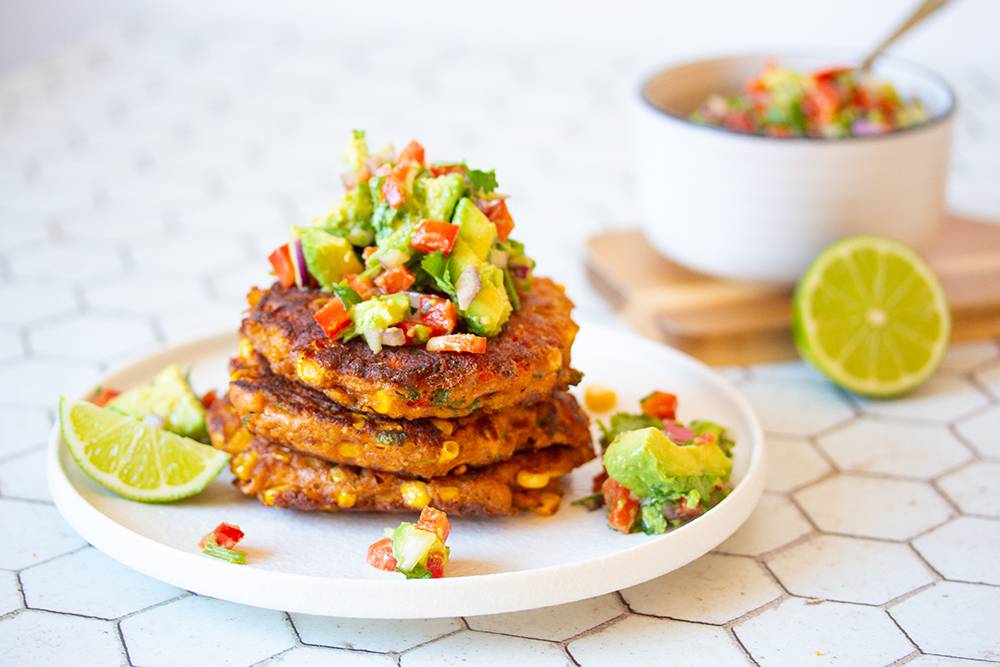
<point x="759" y="208"/>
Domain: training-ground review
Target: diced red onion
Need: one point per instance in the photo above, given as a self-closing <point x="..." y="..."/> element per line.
<point x="392" y="258"/>
<point x="393" y="337"/>
<point x="677" y="432"/>
<point x="374" y="339"/>
<point x="867" y="128"/>
<point x="302" y="276"/>
<point x="467" y="286"/>
<point x="519" y="271"/>
<point x="499" y="258"/>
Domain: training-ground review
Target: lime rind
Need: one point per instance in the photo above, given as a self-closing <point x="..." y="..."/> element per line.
<point x="929" y="299"/>
<point x="133" y="430"/>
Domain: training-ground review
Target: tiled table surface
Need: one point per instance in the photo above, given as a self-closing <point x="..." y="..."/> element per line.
<point x="144" y="173"/>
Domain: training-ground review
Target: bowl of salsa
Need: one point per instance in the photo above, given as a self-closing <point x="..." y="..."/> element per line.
<point x="748" y="166"/>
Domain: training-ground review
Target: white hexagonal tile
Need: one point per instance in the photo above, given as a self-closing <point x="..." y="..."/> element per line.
<point x="796" y="408"/>
<point x="798" y="632"/>
<point x="32" y="533"/>
<point x="371" y="635"/>
<point x="180" y="254"/>
<point x="11" y="346"/>
<point x="213" y="631"/>
<point x="24" y="476"/>
<point x="991" y="378"/>
<point x="233" y="281"/>
<point x="109" y="589"/>
<point x="485" y="650"/>
<point x="943" y="398"/>
<point x="787" y="370"/>
<point x="640" y="640"/>
<point x="91" y="337"/>
<point x="201" y="319"/>
<point x="319" y="656"/>
<point x="884" y="508"/>
<point x="849" y="569"/>
<point x="964" y="549"/>
<point x="774" y="523"/>
<point x="792" y="463"/>
<point x="39" y="383"/>
<point x="29" y="302"/>
<point x="922" y="451"/>
<point x="941" y="661"/>
<point x="982" y="431"/>
<point x="965" y="356"/>
<point x="974" y="488"/>
<point x="57" y="263"/>
<point x="713" y="589"/>
<point x="553" y="623"/>
<point x="145" y="293"/>
<point x="953" y="619"/>
<point x="23" y="230"/>
<point x="22" y="428"/>
<point x="41" y="638"/>
<point x="10" y="595"/>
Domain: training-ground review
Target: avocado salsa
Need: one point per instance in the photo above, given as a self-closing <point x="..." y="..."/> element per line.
<point x="658" y="472"/>
<point x="415" y="253"/>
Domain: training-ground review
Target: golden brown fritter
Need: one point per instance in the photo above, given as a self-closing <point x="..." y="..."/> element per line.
<point x="306" y="420"/>
<point x="281" y="477"/>
<point x="525" y="363"/>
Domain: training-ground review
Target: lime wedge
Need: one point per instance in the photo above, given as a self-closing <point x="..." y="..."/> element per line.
<point x="871" y="316"/>
<point x="170" y="398"/>
<point x="132" y="458"/>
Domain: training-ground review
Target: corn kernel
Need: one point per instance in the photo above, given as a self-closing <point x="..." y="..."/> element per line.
<point x="338" y="475"/>
<point x="246" y="351"/>
<point x="549" y="503"/>
<point x="444" y="426"/>
<point x="532" y="480"/>
<point x="383" y="402"/>
<point x="240" y="440"/>
<point x="282" y="455"/>
<point x="308" y="370"/>
<point x="254" y="296"/>
<point x="447" y="493"/>
<point x="349" y="449"/>
<point x="359" y="422"/>
<point x="243" y="464"/>
<point x="270" y="495"/>
<point x="346" y="498"/>
<point x="415" y="495"/>
<point x="460" y="470"/>
<point x="449" y="450"/>
<point x="598" y="398"/>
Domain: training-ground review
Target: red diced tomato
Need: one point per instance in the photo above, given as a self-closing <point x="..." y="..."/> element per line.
<point x="457" y="343"/>
<point x="380" y="555"/>
<point x="436" y="521"/>
<point x="598" y="481"/>
<point x="496" y="210"/>
<point x="394" y="191"/>
<point x="435" y="236"/>
<point x="103" y="396"/>
<point x="623" y="507"/>
<point x="228" y="535"/>
<point x="412" y="152"/>
<point x="442" y="169"/>
<point x="362" y="286"/>
<point x="332" y="318"/>
<point x="438" y="313"/>
<point x="416" y="333"/>
<point x="208" y="398"/>
<point x="660" y="404"/>
<point x="396" y="279"/>
<point x="435" y="565"/>
<point x="281" y="263"/>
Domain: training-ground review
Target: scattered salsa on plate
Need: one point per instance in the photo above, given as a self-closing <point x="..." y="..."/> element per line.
<point x="831" y="104"/>
<point x="417" y="550"/>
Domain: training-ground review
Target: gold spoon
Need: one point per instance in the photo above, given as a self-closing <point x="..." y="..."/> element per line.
<point x="923" y="10"/>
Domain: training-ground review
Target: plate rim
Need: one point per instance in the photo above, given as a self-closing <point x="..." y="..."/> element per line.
<point x="447" y="597"/>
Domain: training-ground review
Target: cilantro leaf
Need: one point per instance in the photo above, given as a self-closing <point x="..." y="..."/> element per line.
<point x="482" y="182"/>
<point x="436" y="266"/>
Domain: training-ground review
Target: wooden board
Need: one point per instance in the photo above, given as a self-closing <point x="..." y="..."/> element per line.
<point x="726" y="322"/>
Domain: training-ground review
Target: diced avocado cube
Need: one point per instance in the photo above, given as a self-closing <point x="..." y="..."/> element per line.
<point x="491" y="308"/>
<point x="441" y="195"/>
<point x="169" y="398"/>
<point x="462" y="256"/>
<point x="381" y="312"/>
<point x="475" y="229"/>
<point x="328" y="257"/>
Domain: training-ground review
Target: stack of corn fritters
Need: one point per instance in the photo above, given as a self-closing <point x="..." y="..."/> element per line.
<point x="320" y="424"/>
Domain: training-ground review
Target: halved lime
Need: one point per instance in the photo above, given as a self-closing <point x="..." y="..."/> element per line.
<point x="871" y="316"/>
<point x="132" y="458"/>
<point x="170" y="398"/>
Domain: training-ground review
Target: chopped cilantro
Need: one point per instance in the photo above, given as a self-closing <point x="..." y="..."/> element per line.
<point x="482" y="182"/>
<point x="394" y="438"/>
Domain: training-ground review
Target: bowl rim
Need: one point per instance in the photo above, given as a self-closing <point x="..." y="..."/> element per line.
<point x="920" y="70"/>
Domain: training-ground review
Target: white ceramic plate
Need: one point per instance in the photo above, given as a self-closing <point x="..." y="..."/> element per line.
<point x="315" y="563"/>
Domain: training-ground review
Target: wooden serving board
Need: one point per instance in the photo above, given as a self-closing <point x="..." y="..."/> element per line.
<point x="726" y="322"/>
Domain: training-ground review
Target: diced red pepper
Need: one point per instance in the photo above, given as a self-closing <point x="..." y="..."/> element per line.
<point x="436" y="521"/>
<point x="281" y="263"/>
<point x="435" y="565"/>
<point x="457" y="343"/>
<point x="362" y="286"/>
<point x="623" y="507"/>
<point x="416" y="333"/>
<point x="412" y="152"/>
<point x="224" y="535"/>
<point x="435" y="236"/>
<point x="208" y="398"/>
<point x="442" y="169"/>
<point x="496" y="210"/>
<point x="333" y="317"/>
<point x="660" y="404"/>
<point x="438" y="313"/>
<point x="393" y="191"/>
<point x="396" y="279"/>
<point x="369" y="251"/>
<point x="380" y="555"/>
<point x="103" y="396"/>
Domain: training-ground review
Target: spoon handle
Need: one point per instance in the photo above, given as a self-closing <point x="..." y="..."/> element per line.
<point x="923" y="10"/>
